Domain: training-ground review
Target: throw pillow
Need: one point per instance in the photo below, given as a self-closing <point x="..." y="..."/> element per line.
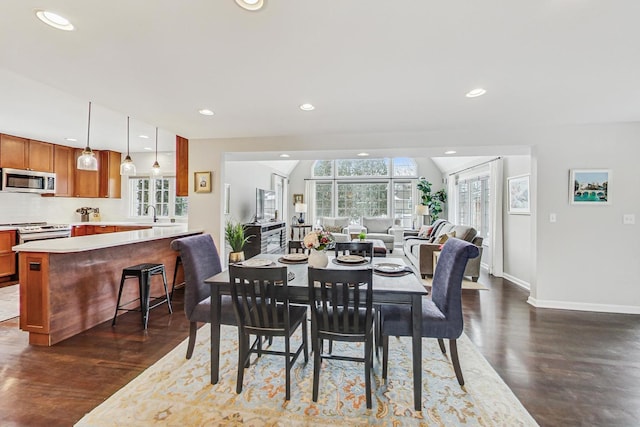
<point x="443" y="238"/>
<point x="425" y="231"/>
<point x="333" y="228"/>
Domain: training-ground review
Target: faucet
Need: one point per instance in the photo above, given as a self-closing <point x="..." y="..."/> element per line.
<point x="155" y="218"/>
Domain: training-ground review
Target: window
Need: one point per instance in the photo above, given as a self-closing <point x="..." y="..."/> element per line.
<point x="159" y="193"/>
<point x="473" y="204"/>
<point x="365" y="187"/>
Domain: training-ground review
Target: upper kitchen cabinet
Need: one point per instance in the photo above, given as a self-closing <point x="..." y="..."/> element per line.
<point x="22" y="153"/>
<point x="64" y="163"/>
<point x="109" y="168"/>
<point x="86" y="183"/>
<point x="182" y="166"/>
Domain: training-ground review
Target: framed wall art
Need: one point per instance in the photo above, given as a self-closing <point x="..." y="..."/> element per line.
<point x="202" y="182"/>
<point x="519" y="195"/>
<point x="298" y="198"/>
<point x="590" y="186"/>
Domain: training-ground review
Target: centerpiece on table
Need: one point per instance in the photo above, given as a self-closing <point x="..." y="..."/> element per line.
<point x="318" y="241"/>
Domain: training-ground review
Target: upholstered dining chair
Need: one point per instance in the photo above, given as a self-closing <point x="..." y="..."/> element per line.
<point x="200" y="261"/>
<point x="442" y="314"/>
<point x="261" y="303"/>
<point x="340" y="313"/>
<point x="364" y="249"/>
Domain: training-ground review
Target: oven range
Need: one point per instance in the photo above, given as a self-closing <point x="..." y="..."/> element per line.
<point x="29" y="232"/>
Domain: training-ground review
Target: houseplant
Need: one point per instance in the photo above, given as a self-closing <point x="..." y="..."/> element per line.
<point x="234" y="233"/>
<point x="433" y="201"/>
<point x="362" y="236"/>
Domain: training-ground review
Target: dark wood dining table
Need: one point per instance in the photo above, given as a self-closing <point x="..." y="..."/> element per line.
<point x="406" y="289"/>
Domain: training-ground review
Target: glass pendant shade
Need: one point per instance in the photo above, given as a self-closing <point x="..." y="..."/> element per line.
<point x="87" y="161"/>
<point x="155" y="169"/>
<point x="127" y="167"/>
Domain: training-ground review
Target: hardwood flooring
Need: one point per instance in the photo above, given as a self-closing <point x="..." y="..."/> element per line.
<point x="568" y="368"/>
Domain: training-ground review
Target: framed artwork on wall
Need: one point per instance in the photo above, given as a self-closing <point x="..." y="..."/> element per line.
<point x="202" y="182"/>
<point x="519" y="195"/>
<point x="590" y="186"/>
<point x="298" y="198"/>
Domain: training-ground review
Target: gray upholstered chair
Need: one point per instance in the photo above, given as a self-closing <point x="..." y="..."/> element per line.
<point x="200" y="260"/>
<point x="442" y="314"/>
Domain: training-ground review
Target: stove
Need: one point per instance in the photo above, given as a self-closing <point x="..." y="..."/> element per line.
<point x="29" y="232"/>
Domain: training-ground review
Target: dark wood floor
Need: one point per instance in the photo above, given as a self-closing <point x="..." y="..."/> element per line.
<point x="567" y="368"/>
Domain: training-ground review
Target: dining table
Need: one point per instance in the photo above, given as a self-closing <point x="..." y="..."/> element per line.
<point x="402" y="288"/>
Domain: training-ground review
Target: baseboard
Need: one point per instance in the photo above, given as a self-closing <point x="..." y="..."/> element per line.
<point x="521" y="283"/>
<point x="578" y="306"/>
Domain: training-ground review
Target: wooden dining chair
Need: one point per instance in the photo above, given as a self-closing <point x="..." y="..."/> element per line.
<point x="200" y="261"/>
<point x="295" y="247"/>
<point x="261" y="303"/>
<point x="442" y="314"/>
<point x="364" y="249"/>
<point x="341" y="310"/>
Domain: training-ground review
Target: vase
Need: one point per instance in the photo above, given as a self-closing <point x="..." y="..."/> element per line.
<point x="318" y="259"/>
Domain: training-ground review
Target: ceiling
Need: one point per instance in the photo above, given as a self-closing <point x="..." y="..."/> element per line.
<point x="367" y="66"/>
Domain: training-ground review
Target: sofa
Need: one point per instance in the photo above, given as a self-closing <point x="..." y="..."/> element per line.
<point x="419" y="249"/>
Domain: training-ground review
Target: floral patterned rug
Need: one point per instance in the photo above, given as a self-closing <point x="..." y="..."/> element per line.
<point x="176" y="391"/>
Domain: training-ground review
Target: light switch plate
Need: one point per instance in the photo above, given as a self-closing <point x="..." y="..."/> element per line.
<point x="552" y="217"/>
<point x="629" y="219"/>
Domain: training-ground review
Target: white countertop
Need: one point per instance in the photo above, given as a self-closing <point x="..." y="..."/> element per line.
<point x="8" y="228"/>
<point x="100" y="241"/>
<point x="125" y="223"/>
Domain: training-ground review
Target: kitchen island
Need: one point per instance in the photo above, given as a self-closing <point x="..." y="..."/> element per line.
<point x="70" y="285"/>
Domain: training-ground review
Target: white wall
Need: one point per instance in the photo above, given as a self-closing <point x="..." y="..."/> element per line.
<point x="516" y="228"/>
<point x="583" y="261"/>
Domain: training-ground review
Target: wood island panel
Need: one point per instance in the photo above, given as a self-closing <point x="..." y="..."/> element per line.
<point x="73" y="292"/>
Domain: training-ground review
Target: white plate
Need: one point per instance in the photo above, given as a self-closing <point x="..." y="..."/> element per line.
<point x="257" y="262"/>
<point x="295" y="257"/>
<point x="351" y="258"/>
<point x="389" y="268"/>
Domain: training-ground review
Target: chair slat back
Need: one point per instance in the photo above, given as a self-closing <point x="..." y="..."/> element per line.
<point x="256" y="293"/>
<point x="364" y="249"/>
<point x="347" y="292"/>
<point x="295" y="247"/>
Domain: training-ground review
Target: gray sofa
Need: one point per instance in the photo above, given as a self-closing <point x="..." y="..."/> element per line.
<point x="419" y="249"/>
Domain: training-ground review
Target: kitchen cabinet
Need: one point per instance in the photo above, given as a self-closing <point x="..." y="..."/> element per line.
<point x="22" y="153"/>
<point x="64" y="167"/>
<point x="7" y="256"/>
<point x="109" y="169"/>
<point x="86" y="183"/>
<point x="182" y="166"/>
<point x="88" y="230"/>
<point x="78" y="230"/>
<point x="131" y="227"/>
<point x="102" y="229"/>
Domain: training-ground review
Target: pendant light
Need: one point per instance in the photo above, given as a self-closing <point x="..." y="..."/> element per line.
<point x="87" y="161"/>
<point x="127" y="167"/>
<point x="155" y="169"/>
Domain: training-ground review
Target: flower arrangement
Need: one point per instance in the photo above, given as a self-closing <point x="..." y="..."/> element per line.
<point x="319" y="240"/>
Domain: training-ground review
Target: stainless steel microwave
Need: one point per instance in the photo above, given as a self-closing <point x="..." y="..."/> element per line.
<point x="24" y="181"/>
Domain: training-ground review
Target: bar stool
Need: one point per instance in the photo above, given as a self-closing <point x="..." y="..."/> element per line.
<point x="175" y="275"/>
<point x="143" y="272"/>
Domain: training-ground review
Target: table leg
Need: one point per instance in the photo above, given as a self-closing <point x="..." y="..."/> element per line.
<point x="215" y="334"/>
<point x="416" y="320"/>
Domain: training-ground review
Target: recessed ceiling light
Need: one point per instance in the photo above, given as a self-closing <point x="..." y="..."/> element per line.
<point x="307" y="107"/>
<point x="143" y="136"/>
<point x="251" y="5"/>
<point x="363" y="154"/>
<point x="70" y="139"/>
<point x="205" y="112"/>
<point x="476" y="92"/>
<point x="148" y="148"/>
<point x="450" y="152"/>
<point x="54" y="20"/>
<point x="284" y="155"/>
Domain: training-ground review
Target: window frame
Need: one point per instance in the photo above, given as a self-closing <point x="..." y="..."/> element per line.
<point x="151" y="201"/>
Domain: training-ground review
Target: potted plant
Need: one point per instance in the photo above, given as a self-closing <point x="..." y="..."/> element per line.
<point x="234" y="233"/>
<point x="362" y="236"/>
<point x="432" y="201"/>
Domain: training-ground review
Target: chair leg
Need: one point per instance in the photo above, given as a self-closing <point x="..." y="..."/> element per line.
<point x="287" y="367"/>
<point x="193" y="329"/>
<point x="243" y="342"/>
<point x="316" y="368"/>
<point x="166" y="291"/>
<point x="368" y="362"/>
<point x="113" y="322"/>
<point x="453" y="346"/>
<point x="385" y="356"/>
<point x="442" y="347"/>
<point x="305" y="340"/>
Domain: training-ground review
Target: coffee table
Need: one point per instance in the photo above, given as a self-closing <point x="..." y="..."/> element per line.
<point x="379" y="249"/>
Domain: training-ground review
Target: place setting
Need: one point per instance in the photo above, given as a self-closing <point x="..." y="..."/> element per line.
<point x="392" y="270"/>
<point x="294" y="258"/>
<point x="354" y="260"/>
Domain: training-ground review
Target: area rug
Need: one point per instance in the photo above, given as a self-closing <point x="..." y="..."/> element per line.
<point x="9" y="302"/>
<point x="177" y="392"/>
<point x="466" y="284"/>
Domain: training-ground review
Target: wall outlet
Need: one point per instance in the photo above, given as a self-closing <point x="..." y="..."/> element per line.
<point x="552" y="217"/>
<point x="629" y="219"/>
